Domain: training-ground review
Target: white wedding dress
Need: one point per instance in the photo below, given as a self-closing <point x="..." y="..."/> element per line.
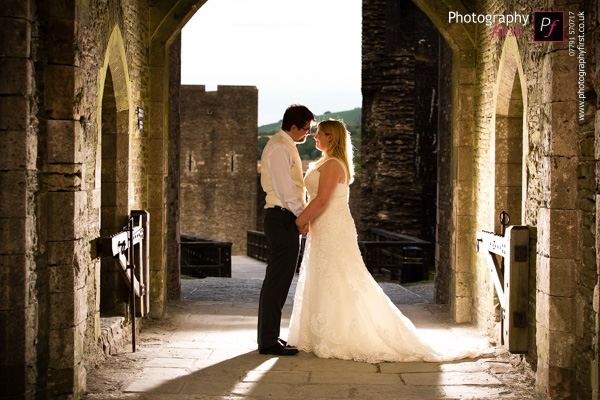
<point x="339" y="310"/>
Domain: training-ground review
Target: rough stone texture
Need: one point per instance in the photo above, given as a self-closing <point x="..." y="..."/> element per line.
<point x="173" y="200"/>
<point x="218" y="163"/>
<point x="400" y="114"/>
<point x="73" y="165"/>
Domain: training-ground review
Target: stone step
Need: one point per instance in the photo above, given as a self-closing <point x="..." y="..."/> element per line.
<point x="112" y="337"/>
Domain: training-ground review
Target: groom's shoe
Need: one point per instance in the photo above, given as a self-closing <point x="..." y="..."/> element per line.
<point x="284" y="343"/>
<point x="279" y="350"/>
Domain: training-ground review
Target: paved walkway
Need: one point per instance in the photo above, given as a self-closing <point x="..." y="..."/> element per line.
<point x="206" y="349"/>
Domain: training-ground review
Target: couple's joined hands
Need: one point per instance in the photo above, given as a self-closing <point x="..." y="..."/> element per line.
<point x="302" y="229"/>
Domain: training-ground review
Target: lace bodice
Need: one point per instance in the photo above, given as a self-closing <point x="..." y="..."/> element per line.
<point x="339" y="310"/>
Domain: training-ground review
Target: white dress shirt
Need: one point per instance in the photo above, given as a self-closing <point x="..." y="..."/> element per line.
<point x="280" y="161"/>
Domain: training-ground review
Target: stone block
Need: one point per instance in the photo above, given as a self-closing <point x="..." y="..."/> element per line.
<point x="16" y="73"/>
<point x="15" y="113"/>
<point x="61" y="253"/>
<point x="14" y="236"/>
<point x="156" y="185"/>
<point x="465" y="132"/>
<point x="462" y="287"/>
<point x="64" y="177"/>
<point x="62" y="83"/>
<point x="464" y="251"/>
<point x="13" y="197"/>
<point x="68" y="308"/>
<point x="466" y="76"/>
<point x="115" y="194"/>
<point x="16" y="37"/>
<point x="506" y="176"/>
<point x="558" y="233"/>
<point x="66" y="351"/>
<point x="560" y="182"/>
<point x="13" y="148"/>
<point x="465" y="163"/>
<point x="597" y="129"/>
<point x="555" y="312"/>
<point x="113" y="219"/>
<point x="13" y="345"/>
<point x="563" y="134"/>
<point x="61" y="36"/>
<point x="157" y="156"/>
<point x="461" y="309"/>
<point x="554" y="382"/>
<point x="65" y="139"/>
<point x="556" y="276"/>
<point x="465" y="101"/>
<point x="14" y="288"/>
<point x="463" y="195"/>
<point x="15" y="9"/>
<point x="564" y="78"/>
<point x="66" y="215"/>
<point x="158" y="85"/>
<point x="65" y="278"/>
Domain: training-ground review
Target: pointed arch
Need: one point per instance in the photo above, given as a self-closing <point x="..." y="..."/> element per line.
<point x="509" y="139"/>
<point x="113" y="172"/>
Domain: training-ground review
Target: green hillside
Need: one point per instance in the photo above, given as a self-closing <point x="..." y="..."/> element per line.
<point x="349" y="117"/>
<point x="307" y="150"/>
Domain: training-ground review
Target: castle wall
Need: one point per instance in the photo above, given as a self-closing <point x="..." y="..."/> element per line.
<point x="218" y="163"/>
<point x="399" y="135"/>
<point x="517" y="145"/>
<point x="74" y="163"/>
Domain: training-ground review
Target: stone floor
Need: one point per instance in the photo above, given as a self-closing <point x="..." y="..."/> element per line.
<point x="205" y="348"/>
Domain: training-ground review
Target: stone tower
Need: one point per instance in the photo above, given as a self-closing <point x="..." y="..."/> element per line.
<point x="218" y="163"/>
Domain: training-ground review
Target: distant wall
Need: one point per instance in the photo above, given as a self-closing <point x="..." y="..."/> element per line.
<point x="399" y="121"/>
<point x="218" y="162"/>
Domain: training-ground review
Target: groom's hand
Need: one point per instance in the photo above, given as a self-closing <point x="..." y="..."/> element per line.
<point x="303" y="229"/>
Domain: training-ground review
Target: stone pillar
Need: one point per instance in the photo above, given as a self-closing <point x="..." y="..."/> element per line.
<point x="65" y="208"/>
<point x="463" y="234"/>
<point x="157" y="178"/>
<point x="19" y="182"/>
<point x="173" y="196"/>
<point x="559" y="246"/>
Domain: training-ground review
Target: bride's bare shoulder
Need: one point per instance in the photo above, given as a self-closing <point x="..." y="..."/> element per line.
<point x="333" y="168"/>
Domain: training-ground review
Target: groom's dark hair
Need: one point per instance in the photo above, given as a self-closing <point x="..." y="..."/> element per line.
<point x="298" y="115"/>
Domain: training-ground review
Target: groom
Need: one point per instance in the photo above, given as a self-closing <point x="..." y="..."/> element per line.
<point x="281" y="179"/>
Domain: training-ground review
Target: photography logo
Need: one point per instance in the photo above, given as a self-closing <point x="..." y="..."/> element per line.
<point x="548" y="26"/>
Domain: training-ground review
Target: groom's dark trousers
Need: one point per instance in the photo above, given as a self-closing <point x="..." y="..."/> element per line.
<point x="284" y="243"/>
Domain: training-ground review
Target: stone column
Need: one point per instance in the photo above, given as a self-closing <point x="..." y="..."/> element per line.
<point x="19" y="182"/>
<point x="65" y="207"/>
<point x="558" y="247"/>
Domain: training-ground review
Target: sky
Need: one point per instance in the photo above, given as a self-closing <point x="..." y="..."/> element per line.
<point x="306" y="52"/>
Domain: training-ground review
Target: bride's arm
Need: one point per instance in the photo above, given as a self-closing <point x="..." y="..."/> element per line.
<point x="331" y="174"/>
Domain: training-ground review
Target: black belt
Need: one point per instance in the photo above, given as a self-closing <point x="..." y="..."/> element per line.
<point x="281" y="209"/>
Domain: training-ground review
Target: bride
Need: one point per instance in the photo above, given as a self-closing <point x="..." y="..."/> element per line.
<point x="339" y="310"/>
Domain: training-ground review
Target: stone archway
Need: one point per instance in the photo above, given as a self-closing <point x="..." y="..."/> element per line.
<point x="461" y="227"/>
<point x="508" y="141"/>
<point x="168" y="20"/>
<point x="113" y="172"/>
<point x="166" y="23"/>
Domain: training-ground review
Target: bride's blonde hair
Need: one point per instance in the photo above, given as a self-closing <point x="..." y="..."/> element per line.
<point x="340" y="146"/>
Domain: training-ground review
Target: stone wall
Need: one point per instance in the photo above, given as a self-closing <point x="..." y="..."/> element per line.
<point x="173" y="229"/>
<point x="516" y="145"/>
<point x="444" y="173"/>
<point x="399" y="134"/>
<point x="527" y="92"/>
<point x="74" y="164"/>
<point x="218" y="163"/>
